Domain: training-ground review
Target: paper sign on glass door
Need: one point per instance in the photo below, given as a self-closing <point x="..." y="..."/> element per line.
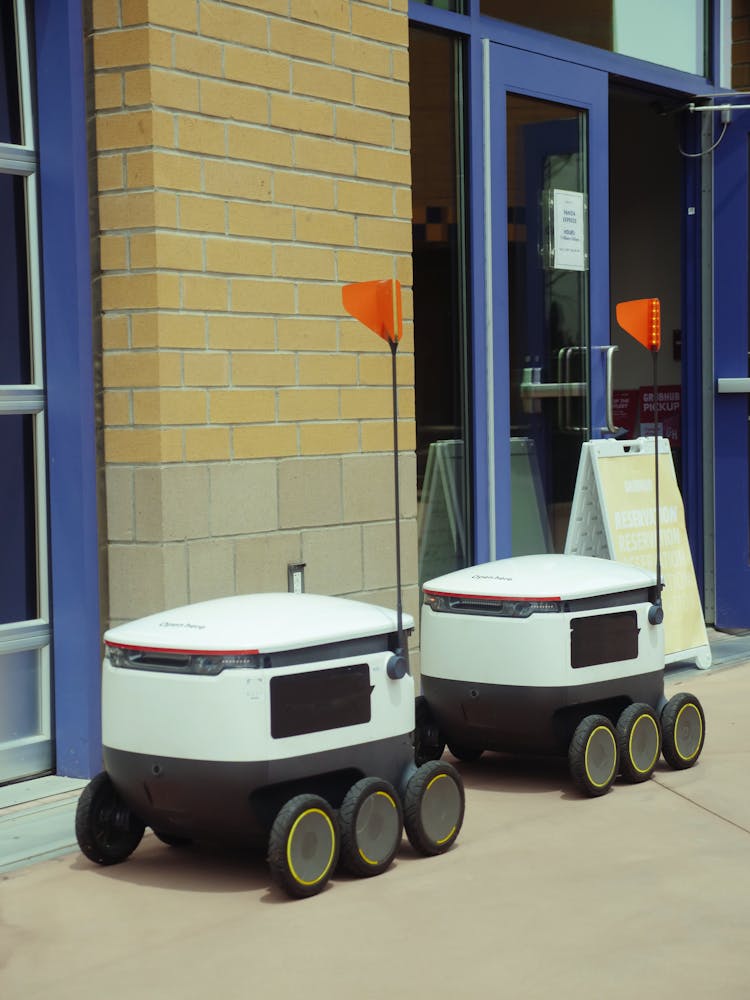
<point x="569" y="231"/>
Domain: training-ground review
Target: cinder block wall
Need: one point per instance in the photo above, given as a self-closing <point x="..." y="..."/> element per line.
<point x="251" y="157"/>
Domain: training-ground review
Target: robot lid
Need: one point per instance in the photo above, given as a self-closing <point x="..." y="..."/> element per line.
<point x="257" y="623"/>
<point x="542" y="578"/>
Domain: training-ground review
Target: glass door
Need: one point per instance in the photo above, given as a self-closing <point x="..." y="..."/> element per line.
<point x="550" y="274"/>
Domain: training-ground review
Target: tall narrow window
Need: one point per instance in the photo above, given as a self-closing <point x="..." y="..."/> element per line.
<point x="25" y="690"/>
<point x="440" y="322"/>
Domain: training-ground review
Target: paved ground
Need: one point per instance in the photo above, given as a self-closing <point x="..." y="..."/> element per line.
<point x="644" y="891"/>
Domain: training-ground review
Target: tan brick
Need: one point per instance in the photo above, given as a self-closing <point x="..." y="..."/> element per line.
<point x="329" y="439"/>
<point x="271" y="6"/>
<point x="259" y="145"/>
<point x="261" y="69"/>
<point x="361" y="501"/>
<point x="325" y="82"/>
<point x="403" y="203"/>
<point x="362" y="198"/>
<point x="242" y="406"/>
<point x="364" y="126"/>
<point x="234" y="100"/>
<point x="105" y="14"/>
<point x="377" y="370"/>
<point x="331" y="13"/>
<point x="136" y="210"/>
<point x="170" y="406"/>
<point x="207" y="215"/>
<point x="304" y="262"/>
<point x="255" y="368"/>
<point x="198" y="55"/>
<point x="339" y="576"/>
<point x="263" y="297"/>
<point x="297" y="39"/>
<point x="301" y="114"/>
<point x="140" y="291"/>
<point x="377" y="435"/>
<point x="236" y="180"/>
<point x="164" y="170"/>
<point x="362" y="56"/>
<point x="382" y="165"/>
<point x="300" y="333"/>
<point x="108" y="90"/>
<point x="363" y="265"/>
<point x="400" y="59"/>
<point x="262" y="561"/>
<point x="312" y="192"/>
<point x="359" y="404"/>
<point x="202" y="292"/>
<point x="119" y="494"/>
<point x="198" y="136"/>
<point x="384" y="234"/>
<point x="166" y="250"/>
<point x="308" y="404"/>
<point x="219" y="20"/>
<point x="232" y="484"/>
<point x="169" y="330"/>
<point x="115" y="333"/>
<point x="241" y="333"/>
<point x="207" y="444"/>
<point x="319" y="300"/>
<point x="239" y="257"/>
<point x="168" y="13"/>
<point x="333" y="369"/>
<point x="402" y="133"/>
<point x="140" y="370"/>
<point x="161" y="88"/>
<point x="110" y="172"/>
<point x="382" y="25"/>
<point x="134" y="47"/>
<point x="316" y="227"/>
<point x="382" y="95"/>
<point x="261" y="221"/>
<point x="135" y="446"/>
<point x="116" y="408"/>
<point x="113" y="253"/>
<point x="133" y="128"/>
<point x="309" y="492"/>
<point x="276" y="441"/>
<point x="210" y="569"/>
<point x="324" y="155"/>
<point x="205" y="369"/>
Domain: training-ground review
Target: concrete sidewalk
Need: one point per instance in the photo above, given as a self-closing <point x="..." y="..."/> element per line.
<point x="646" y="890"/>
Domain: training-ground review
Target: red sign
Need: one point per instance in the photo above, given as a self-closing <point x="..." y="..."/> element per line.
<point x="670" y="412"/>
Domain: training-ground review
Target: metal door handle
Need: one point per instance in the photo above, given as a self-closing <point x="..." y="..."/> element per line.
<point x="608" y="391"/>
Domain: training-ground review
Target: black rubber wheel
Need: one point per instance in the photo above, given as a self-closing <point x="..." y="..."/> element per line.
<point x="372" y="823"/>
<point x="683" y="727"/>
<point x="107" y="830"/>
<point x="428" y="742"/>
<point x="593" y="755"/>
<point x="434" y="807"/>
<point x="172" y="839"/>
<point x="303" y="848"/>
<point x="639" y="742"/>
<point x="465" y="753"/>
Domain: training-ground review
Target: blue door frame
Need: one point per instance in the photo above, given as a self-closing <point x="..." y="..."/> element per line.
<point x="731" y="345"/>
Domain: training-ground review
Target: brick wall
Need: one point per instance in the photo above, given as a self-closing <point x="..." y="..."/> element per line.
<point x="251" y="156"/>
<point x="741" y="44"/>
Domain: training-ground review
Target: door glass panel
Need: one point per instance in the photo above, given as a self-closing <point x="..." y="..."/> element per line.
<point x="15" y="350"/>
<point x="548" y="304"/>
<point x="18" y="579"/>
<point x="10" y="113"/>
<point x="25" y="730"/>
<point x="669" y="33"/>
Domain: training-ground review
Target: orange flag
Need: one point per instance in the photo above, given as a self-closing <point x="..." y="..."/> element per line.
<point x="377" y="304"/>
<point x="641" y="318"/>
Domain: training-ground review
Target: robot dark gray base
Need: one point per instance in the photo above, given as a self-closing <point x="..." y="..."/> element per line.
<point x="538" y="720"/>
<point x="238" y="801"/>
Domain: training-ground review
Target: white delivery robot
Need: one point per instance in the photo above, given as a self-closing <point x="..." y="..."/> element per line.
<point x="552" y="654"/>
<point x="278" y="719"/>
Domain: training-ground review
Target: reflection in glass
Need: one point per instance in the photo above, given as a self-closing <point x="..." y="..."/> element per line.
<point x="10" y="117"/>
<point x="440" y="339"/>
<point x="18" y="579"/>
<point x="20" y="696"/>
<point x="669" y="33"/>
<point x="15" y="345"/>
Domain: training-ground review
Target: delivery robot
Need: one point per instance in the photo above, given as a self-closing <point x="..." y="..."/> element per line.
<point x="552" y="654"/>
<point x="283" y="720"/>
